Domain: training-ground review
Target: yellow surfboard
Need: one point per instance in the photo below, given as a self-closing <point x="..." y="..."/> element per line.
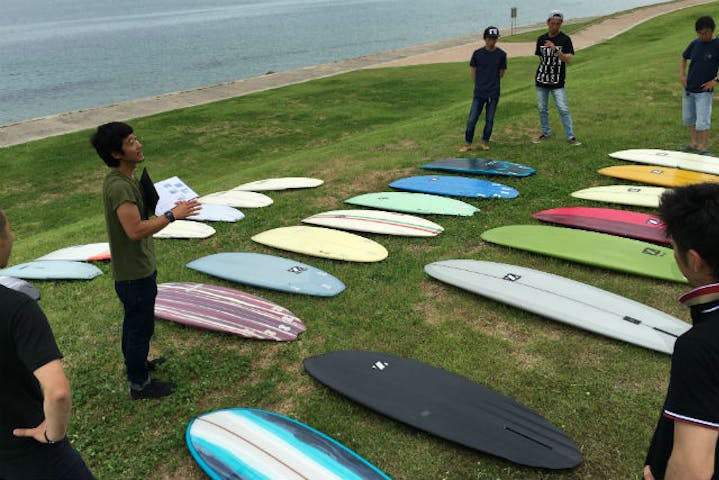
<point x="323" y="242"/>
<point x="654" y="175"/>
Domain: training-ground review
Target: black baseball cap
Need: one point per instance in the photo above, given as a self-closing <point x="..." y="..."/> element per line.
<point x="492" y="32"/>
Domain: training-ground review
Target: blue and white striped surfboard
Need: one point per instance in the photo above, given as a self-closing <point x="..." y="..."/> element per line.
<point x="250" y="444"/>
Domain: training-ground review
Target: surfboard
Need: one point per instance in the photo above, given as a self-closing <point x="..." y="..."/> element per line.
<point x="480" y="166"/>
<point x="376" y="221"/>
<point x="22" y="286"/>
<point x="282" y="183"/>
<point x="81" y="253"/>
<point x="591" y="248"/>
<point x="670" y="158"/>
<point x="623" y="194"/>
<point x="565" y="300"/>
<point x="324" y="243"/>
<point x="454" y="186"/>
<point x="608" y="220"/>
<point x="653" y="175"/>
<point x="212" y="212"/>
<point x="269" y="271"/>
<point x="185" y="229"/>
<point x="251" y="444"/>
<point x="237" y="199"/>
<point x="226" y="310"/>
<point x="52" y="270"/>
<point x="421" y="203"/>
<point x="447" y="405"/>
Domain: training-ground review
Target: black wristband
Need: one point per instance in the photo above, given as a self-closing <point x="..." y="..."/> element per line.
<point x="47" y="439"/>
<point x="170" y="216"/>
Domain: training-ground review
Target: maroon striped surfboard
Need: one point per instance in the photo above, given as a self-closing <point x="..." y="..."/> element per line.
<point x="227" y="310"/>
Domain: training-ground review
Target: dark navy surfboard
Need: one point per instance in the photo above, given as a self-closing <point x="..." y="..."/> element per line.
<point x="447" y="405"/>
<point x="480" y="166"/>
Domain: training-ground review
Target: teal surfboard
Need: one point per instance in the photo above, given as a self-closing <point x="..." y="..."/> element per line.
<point x="480" y="166"/>
<point x="52" y="270"/>
<point x="591" y="248"/>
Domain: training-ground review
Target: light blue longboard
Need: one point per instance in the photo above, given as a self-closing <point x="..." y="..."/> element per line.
<point x="269" y="271"/>
<point x="454" y="186"/>
<point x="250" y="444"/>
<point x="480" y="166"/>
<point x="52" y="270"/>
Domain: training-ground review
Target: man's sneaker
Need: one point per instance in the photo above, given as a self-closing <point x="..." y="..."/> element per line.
<point x="154" y="389"/>
<point x="540" y="138"/>
<point x="704" y="152"/>
<point x="466" y="148"/>
<point x="154" y="363"/>
<point x="484" y="146"/>
<point x="688" y="149"/>
<point x="574" y="141"/>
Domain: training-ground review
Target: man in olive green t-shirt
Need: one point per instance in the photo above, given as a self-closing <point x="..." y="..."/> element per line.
<point x="133" y="257"/>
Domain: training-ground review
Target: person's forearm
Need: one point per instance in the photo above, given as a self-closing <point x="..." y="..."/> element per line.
<point x="57" y="407"/>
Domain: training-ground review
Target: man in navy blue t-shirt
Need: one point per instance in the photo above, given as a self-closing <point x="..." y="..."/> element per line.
<point x="703" y="56"/>
<point x="488" y="65"/>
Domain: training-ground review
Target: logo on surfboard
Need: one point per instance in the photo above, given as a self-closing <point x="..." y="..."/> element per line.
<point x="512" y="277"/>
<point x="653" y="252"/>
<point x="379" y="365"/>
<point x="297" y="269"/>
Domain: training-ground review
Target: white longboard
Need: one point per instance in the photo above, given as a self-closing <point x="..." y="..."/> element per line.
<point x="185" y="229"/>
<point x="564" y="300"/>
<point x="376" y="221"/>
<point x="282" y="183"/>
<point x="212" y="212"/>
<point x="237" y="199"/>
<point x="81" y="253"/>
<point x="670" y="158"/>
<point x="639" y="196"/>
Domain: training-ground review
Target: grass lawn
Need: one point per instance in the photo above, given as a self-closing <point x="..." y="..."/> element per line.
<point x="358" y="132"/>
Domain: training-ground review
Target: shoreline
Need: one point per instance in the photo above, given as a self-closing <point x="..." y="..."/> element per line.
<point x="445" y="51"/>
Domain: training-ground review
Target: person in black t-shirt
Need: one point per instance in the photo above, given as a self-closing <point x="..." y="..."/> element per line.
<point x="33" y="421"/>
<point x="555" y="52"/>
<point x="684" y="445"/>
<point x="488" y="65"/>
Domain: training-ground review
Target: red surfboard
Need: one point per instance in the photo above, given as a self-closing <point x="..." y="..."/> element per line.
<point x="623" y="223"/>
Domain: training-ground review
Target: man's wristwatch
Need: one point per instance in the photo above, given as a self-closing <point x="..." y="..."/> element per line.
<point x="170" y="216"/>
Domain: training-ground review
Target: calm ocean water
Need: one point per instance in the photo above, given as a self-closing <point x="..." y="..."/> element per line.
<point x="64" y="55"/>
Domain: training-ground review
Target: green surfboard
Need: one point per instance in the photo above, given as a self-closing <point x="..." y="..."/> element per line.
<point x="591" y="248"/>
<point x="421" y="203"/>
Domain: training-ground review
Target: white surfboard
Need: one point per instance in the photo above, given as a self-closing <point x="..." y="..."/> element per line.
<point x="212" y="212"/>
<point x="282" y="183"/>
<point x="185" y="229"/>
<point x="237" y="199"/>
<point x="670" y="158"/>
<point x="564" y="300"/>
<point x="81" y="253"/>
<point x="323" y="242"/>
<point x="376" y="221"/>
<point x="639" y="196"/>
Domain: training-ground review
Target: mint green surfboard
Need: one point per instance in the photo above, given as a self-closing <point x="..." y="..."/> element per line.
<point x="421" y="203"/>
<point x="591" y="248"/>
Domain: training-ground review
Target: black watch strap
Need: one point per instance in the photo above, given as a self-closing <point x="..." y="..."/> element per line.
<point x="170" y="216"/>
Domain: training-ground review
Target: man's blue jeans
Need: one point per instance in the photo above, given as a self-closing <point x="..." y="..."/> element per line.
<point x="560" y="100"/>
<point x="478" y="104"/>
<point x="138" y="301"/>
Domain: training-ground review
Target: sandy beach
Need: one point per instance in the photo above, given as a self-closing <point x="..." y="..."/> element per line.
<point x="454" y="50"/>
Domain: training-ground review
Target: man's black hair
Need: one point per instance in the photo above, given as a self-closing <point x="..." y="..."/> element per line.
<point x="704" y="22"/>
<point x="108" y="139"/>
<point x="691" y="218"/>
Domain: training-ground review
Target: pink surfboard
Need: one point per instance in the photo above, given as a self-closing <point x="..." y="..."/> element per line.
<point x="623" y="223"/>
<point x="227" y="310"/>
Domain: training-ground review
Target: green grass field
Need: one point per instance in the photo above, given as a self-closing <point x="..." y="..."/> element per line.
<point x="358" y="132"/>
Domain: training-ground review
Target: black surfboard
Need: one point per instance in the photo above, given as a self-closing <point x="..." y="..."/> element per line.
<point x="447" y="405"/>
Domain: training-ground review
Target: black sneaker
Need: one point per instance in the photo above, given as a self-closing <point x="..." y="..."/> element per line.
<point x="574" y="141"/>
<point x="154" y="363"/>
<point x="540" y="138"/>
<point x="154" y="389"/>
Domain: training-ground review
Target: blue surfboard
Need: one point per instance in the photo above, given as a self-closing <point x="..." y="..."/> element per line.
<point x="250" y="444"/>
<point x="269" y="271"/>
<point x="52" y="270"/>
<point x="480" y="166"/>
<point x="454" y="186"/>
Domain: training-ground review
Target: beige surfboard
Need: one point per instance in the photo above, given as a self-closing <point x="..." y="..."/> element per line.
<point x="185" y="229"/>
<point x="237" y="199"/>
<point x="639" y="196"/>
<point x="323" y="242"/>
